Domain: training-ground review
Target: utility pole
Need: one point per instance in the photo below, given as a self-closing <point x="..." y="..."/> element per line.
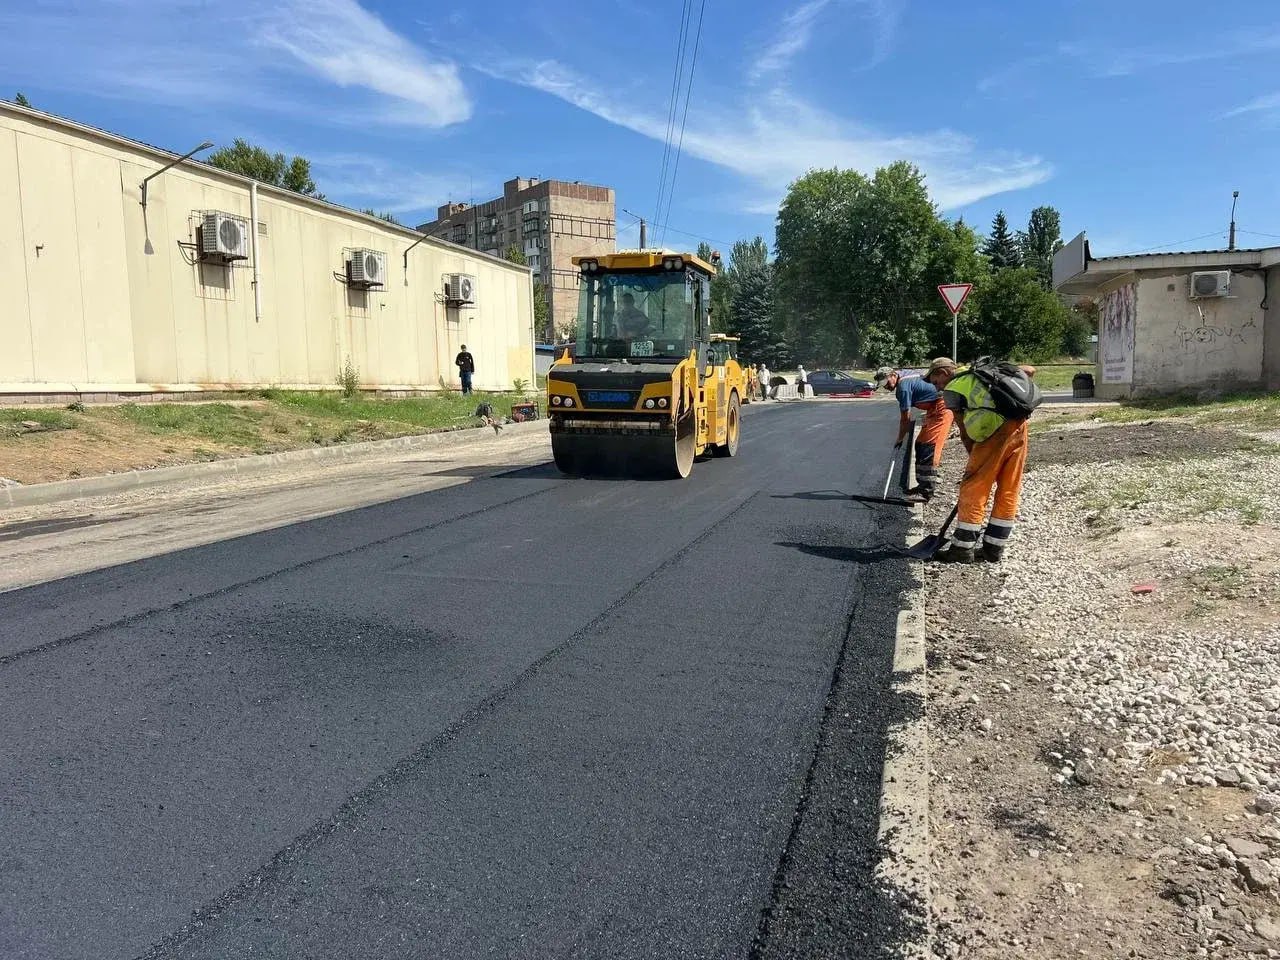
<point x="643" y="234"/>
<point x="1231" y="237"/>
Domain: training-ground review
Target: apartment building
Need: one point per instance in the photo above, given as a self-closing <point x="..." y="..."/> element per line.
<point x="551" y="221"/>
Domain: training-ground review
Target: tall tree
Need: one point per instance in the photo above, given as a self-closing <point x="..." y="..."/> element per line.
<point x="1001" y="247"/>
<point x="721" y="293"/>
<point x="1019" y="318"/>
<point x="21" y="100"/>
<point x="253" y="161"/>
<point x="753" y="314"/>
<point x="514" y="254"/>
<point x="1040" y="241"/>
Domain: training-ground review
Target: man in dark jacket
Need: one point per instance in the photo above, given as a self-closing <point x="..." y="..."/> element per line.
<point x="466" y="364"/>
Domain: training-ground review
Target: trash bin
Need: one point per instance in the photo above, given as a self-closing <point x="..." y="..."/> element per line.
<point x="524" y="410"/>
<point x="1082" y="385"/>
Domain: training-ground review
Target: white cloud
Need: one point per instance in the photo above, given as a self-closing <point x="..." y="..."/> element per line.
<point x="777" y="137"/>
<point x="795" y="32"/>
<point x="259" y="55"/>
<point x="1270" y="103"/>
<point x="360" y="180"/>
<point x="1103" y="62"/>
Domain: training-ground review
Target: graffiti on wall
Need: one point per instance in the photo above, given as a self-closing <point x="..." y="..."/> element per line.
<point x="1117" y="315"/>
<point x="1211" y="338"/>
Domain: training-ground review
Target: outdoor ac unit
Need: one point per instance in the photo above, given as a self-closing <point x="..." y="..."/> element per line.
<point x="460" y="288"/>
<point x="368" y="268"/>
<point x="1210" y="283"/>
<point x="224" y="237"/>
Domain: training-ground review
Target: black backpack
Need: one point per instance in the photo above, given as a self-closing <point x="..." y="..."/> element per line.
<point x="1013" y="394"/>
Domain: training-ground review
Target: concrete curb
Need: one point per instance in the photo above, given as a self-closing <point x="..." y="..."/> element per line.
<point x="904" y="797"/>
<point x="43" y="493"/>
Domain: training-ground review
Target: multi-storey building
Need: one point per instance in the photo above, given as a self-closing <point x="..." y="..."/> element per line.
<point x="550" y="221"/>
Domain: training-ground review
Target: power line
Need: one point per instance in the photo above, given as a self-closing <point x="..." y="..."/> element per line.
<point x="688" y="95"/>
<point x="1174" y="243"/>
<point x="673" y="104"/>
<point x="1259" y="233"/>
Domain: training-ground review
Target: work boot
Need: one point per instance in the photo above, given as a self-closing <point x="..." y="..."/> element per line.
<point x="992" y="552"/>
<point x="954" y="554"/>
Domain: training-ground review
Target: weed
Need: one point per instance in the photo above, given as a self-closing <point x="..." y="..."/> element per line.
<point x="349" y="379"/>
<point x="75" y="406"/>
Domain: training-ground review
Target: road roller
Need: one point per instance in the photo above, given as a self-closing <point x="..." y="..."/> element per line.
<point x="643" y="393"/>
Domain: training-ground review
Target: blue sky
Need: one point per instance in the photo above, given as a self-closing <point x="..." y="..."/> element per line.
<point x="1135" y="118"/>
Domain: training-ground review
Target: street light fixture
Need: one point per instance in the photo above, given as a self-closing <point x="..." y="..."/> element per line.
<point x="186" y="156"/>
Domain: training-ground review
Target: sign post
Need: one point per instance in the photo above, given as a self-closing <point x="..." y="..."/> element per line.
<point x="954" y="295"/>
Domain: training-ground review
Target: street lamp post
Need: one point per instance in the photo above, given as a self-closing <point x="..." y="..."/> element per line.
<point x="186" y="156"/>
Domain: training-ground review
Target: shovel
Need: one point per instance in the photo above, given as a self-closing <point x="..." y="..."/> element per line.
<point x="884" y="497"/>
<point x="926" y="548"/>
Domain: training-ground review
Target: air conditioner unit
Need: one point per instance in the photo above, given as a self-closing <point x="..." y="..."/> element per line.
<point x="224" y="237"/>
<point x="367" y="268"/>
<point x="460" y="288"/>
<point x="1210" y="283"/>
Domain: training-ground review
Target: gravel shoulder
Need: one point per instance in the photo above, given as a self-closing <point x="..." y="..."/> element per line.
<point x="1105" y="705"/>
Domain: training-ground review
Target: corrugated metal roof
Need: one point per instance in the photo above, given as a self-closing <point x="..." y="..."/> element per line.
<point x="1181" y="253"/>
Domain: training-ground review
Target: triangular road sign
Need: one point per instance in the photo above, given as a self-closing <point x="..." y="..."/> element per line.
<point x="955" y="294"/>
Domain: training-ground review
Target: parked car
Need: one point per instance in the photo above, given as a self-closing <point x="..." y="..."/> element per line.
<point x="833" y="383"/>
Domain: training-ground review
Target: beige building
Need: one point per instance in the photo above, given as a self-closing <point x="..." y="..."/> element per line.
<point x="102" y="295"/>
<point x="1179" y="322"/>
<point x="550" y="221"/>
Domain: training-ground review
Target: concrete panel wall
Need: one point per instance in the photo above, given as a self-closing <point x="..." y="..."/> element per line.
<point x="100" y="293"/>
<point x="1271" y="336"/>
<point x="1205" y="344"/>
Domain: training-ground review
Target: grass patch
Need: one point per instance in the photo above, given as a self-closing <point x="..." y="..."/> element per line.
<point x="224" y="423"/>
<point x="49" y="419"/>
<point x="1059" y="378"/>
<point x="399" y="415"/>
<point x="1253" y="408"/>
<point x="1226" y="582"/>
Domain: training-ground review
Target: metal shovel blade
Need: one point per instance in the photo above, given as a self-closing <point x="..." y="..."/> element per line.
<point x="930" y="545"/>
<point x="926" y="548"/>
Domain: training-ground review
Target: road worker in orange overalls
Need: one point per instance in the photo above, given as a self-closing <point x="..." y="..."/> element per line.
<point x="997" y="456"/>
<point x="922" y="393"/>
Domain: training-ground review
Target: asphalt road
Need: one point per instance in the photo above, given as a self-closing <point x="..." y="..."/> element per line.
<point x="523" y="716"/>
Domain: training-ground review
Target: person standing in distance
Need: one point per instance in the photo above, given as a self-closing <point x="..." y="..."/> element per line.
<point x="763" y="376"/>
<point x="466" y="364"/>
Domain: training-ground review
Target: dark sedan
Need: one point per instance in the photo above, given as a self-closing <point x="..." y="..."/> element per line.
<point x="833" y="383"/>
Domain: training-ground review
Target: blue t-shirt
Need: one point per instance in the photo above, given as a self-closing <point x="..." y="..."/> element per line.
<point x="915" y="391"/>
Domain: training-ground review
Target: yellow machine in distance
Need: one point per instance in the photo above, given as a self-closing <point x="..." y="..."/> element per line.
<point x="645" y="391"/>
<point x="724" y="353"/>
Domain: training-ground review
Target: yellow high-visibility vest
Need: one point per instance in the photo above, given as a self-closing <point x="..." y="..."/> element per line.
<point x="980" y="417"/>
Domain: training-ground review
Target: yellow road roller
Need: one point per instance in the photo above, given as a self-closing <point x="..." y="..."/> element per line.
<point x="643" y="392"/>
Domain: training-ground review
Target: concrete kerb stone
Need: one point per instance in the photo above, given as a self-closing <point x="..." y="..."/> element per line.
<point x="44" y="493"/>
<point x="904" y="796"/>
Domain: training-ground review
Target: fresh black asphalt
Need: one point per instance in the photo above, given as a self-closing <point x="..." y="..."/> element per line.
<point x="521" y="717"/>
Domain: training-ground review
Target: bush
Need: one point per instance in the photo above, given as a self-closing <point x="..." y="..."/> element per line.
<point x="349" y="379"/>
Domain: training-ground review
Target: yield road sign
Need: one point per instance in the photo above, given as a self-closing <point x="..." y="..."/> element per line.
<point x="954" y="295"/>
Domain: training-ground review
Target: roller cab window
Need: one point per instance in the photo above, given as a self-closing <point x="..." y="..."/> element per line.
<point x="638" y="316"/>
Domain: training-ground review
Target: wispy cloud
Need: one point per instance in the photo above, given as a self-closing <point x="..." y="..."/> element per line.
<point x="1103" y="62"/>
<point x="180" y="51"/>
<point x="793" y="36"/>
<point x="776" y="137"/>
<point x="796" y="29"/>
<point x="363" y="180"/>
<point x="1268" y="104"/>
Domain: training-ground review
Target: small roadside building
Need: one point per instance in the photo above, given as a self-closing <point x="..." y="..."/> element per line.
<point x="210" y="281"/>
<point x="1200" y="321"/>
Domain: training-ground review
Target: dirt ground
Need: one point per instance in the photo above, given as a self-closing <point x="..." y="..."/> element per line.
<point x="1054" y="835"/>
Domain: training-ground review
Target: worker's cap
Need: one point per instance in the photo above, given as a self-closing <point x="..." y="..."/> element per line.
<point x="941" y="363"/>
<point x="883" y="374"/>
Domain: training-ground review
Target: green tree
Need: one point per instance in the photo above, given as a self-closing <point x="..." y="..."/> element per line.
<point x="541" y="312"/>
<point x="1019" y="318"/>
<point x="252" y="161"/>
<point x="21" y="100"/>
<point x="858" y="262"/>
<point x="385" y="215"/>
<point x="721" y="293"/>
<point x="1040" y="241"/>
<point x="754" y="314"/>
<point x="1001" y="247"/>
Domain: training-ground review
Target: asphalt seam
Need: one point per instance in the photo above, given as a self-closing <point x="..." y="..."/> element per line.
<point x="132" y="619"/>
<point x="351" y="809"/>
<point x="760" y="943"/>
